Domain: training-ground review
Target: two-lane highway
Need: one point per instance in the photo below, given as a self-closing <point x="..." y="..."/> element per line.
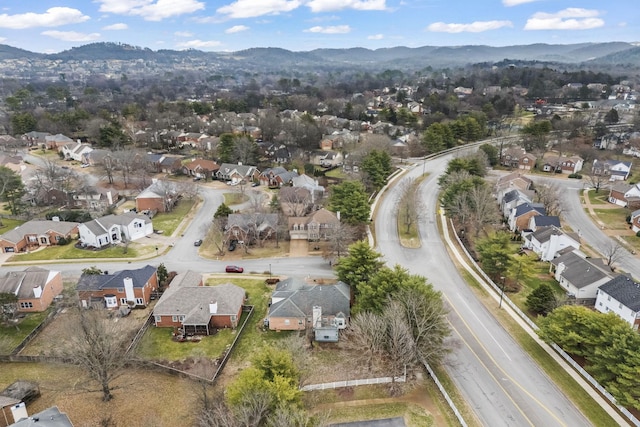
<point x="496" y="377"/>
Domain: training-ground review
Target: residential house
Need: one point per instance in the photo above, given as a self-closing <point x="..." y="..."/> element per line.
<point x="520" y="215"/>
<point x="237" y="172"/>
<point x="517" y="158"/>
<point x="617" y="194"/>
<point x="14" y="163"/>
<point x="96" y="156"/>
<point x="548" y="242"/>
<point x="277" y="177"/>
<point x="196" y="309"/>
<point x="76" y="151"/>
<point x="514" y="180"/>
<point x="50" y="417"/>
<point x="538" y="221"/>
<point x="565" y="165"/>
<point x="37" y="233"/>
<point x="11" y="410"/>
<point x="635" y="221"/>
<point x="250" y="228"/>
<point x="170" y="164"/>
<point x="616" y="170"/>
<point x="95" y="199"/>
<point x="621" y="295"/>
<point x="51" y="197"/>
<point x="579" y="276"/>
<point x="304" y="181"/>
<point x="316" y="226"/>
<point x="327" y="159"/>
<point x="35" y="288"/>
<point x="35" y="139"/>
<point x="297" y="305"/>
<point x="131" y="288"/>
<point x="514" y="198"/>
<point x="113" y="229"/>
<point x="201" y="168"/>
<point x="158" y="197"/>
<point x="56" y="142"/>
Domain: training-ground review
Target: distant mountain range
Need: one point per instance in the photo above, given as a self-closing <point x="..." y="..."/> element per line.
<point x="595" y="54"/>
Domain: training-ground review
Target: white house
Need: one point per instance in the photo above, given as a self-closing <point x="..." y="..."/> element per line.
<point x="621" y="295"/>
<point x="616" y="170"/>
<point x="76" y="151"/>
<point x="547" y="242"/>
<point x="112" y="229"/>
<point x="578" y="276"/>
<point x="635" y="221"/>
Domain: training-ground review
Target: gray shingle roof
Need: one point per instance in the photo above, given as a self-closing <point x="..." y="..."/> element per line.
<point x="579" y="271"/>
<point x="38" y="227"/>
<point x="545" y="221"/>
<point x="50" y="417"/>
<point x="299" y="297"/>
<point x="528" y="207"/>
<point x="21" y="283"/>
<point x="543" y="234"/>
<point x="95" y="282"/>
<point x="625" y="290"/>
<point x="193" y="302"/>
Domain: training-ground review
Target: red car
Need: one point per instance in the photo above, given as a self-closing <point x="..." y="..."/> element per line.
<point x="233" y="269"/>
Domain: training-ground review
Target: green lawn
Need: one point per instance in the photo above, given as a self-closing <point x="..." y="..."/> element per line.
<point x="337" y="173"/>
<point x="11" y="336"/>
<point x="158" y="345"/>
<point x="615" y="219"/>
<point x="599" y="198"/>
<point x="9" y="224"/>
<point x="71" y="252"/>
<point x="169" y="221"/>
<point x="234" y="198"/>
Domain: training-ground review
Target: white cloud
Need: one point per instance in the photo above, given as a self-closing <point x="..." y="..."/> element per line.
<point x="236" y="29"/>
<point x="516" y="2"/>
<point x="254" y="8"/>
<point x="572" y="18"/>
<point x="329" y="5"/>
<point x="474" y="27"/>
<point x="336" y="29"/>
<point x="115" y="27"/>
<point x="198" y="44"/>
<point x="183" y="34"/>
<point x="3" y="39"/>
<point x="53" y="17"/>
<point x="376" y="37"/>
<point x="71" y="36"/>
<point x="151" y="10"/>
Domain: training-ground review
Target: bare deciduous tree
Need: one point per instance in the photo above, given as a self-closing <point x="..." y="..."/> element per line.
<point x="365" y="336"/>
<point x="612" y="252"/>
<point x="550" y="196"/>
<point x="339" y="238"/>
<point x="399" y="346"/>
<point x="409" y="206"/>
<point x="98" y="345"/>
<point x="484" y="209"/>
<point x="295" y="201"/>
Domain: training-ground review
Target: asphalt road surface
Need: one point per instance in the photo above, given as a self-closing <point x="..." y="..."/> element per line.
<point x="496" y="377"/>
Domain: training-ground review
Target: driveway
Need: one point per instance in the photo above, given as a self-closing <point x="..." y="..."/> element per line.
<point x="298" y="248"/>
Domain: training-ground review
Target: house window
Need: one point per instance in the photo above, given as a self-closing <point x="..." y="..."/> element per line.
<point x="43" y="240"/>
<point x="181" y="318"/>
<point x="286" y="322"/>
<point x="174" y="318"/>
<point x="139" y="301"/>
<point x="123" y="301"/>
<point x="33" y="239"/>
<point x="120" y="290"/>
<point x="26" y="305"/>
<point x="158" y="319"/>
<point x="620" y="305"/>
<point x="299" y="322"/>
<point x="58" y="238"/>
<point x="609" y="298"/>
<point x="232" y="317"/>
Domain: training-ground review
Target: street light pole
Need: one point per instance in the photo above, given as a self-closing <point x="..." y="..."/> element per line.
<point x="269" y="271"/>
<point x="502" y="278"/>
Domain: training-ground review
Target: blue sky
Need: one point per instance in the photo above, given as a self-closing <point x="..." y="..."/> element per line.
<point x="230" y="25"/>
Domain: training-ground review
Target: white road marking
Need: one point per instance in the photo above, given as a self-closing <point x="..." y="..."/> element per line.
<point x="483" y="326"/>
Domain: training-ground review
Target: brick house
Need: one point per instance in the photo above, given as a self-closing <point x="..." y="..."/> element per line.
<point x="123" y="288"/>
<point x="315" y="226"/>
<point x="520" y="215"/>
<point x="37" y="233"/>
<point x="201" y="168"/>
<point x="35" y="288"/>
<point x="158" y="197"/>
<point x="297" y="305"/>
<point x="198" y="309"/>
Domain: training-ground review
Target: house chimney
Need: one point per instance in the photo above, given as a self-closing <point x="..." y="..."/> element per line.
<point x="37" y="291"/>
<point x="213" y="307"/>
<point x="128" y="289"/>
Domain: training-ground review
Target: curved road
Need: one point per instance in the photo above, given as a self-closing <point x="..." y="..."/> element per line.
<point x="496" y="377"/>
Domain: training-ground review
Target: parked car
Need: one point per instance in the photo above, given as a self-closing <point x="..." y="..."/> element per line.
<point x="197" y="242"/>
<point x="233" y="269"/>
<point x="232" y="245"/>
